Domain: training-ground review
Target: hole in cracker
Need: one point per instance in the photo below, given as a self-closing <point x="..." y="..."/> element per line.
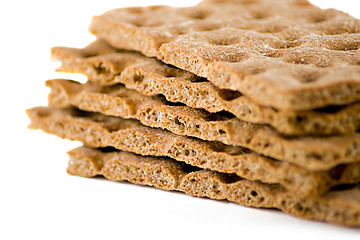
<point x="330" y="109"/>
<point x="299" y="207"/>
<point x="221" y="132"/>
<point x="229" y="177"/>
<point x="300" y="119"/>
<point x="178" y="122"/>
<point x="101" y="69"/>
<point x="220" y="116"/>
<point x="337" y="172"/>
<point x="138" y="78"/>
<point x="74" y="112"/>
<point x="228" y="95"/>
<point x="343" y="187"/>
<point x="254" y="193"/>
<point x="171" y="72"/>
<point x="197" y="79"/>
<point x="314" y="155"/>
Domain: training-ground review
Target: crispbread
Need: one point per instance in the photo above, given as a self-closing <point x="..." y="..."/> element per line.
<point x="287" y="54"/>
<point x="163" y="173"/>
<point x="97" y="130"/>
<point x="105" y="65"/>
<point x="337" y="206"/>
<point x="182" y="120"/>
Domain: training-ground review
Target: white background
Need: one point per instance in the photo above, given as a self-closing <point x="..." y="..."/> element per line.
<point x="38" y="200"/>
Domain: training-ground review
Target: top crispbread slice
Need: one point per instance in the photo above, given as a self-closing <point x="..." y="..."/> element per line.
<point x="336" y="206"/>
<point x="287" y="54"/>
<point x="105" y="65"/>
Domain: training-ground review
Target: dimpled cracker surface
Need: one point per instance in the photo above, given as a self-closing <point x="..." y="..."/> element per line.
<point x="97" y="130"/>
<point x="287" y="54"/>
<point x="336" y="206"/>
<point x="105" y="65"/>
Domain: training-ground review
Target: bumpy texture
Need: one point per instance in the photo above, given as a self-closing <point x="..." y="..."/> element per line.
<point x="309" y="153"/>
<point x="162" y="173"/>
<point x="287" y="54"/>
<point x="105" y="65"/>
<point x="337" y="206"/>
<point x="97" y="130"/>
<point x="314" y="152"/>
<point x="155" y="112"/>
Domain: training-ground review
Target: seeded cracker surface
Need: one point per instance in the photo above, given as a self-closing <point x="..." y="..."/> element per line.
<point x="287" y="54"/>
<point x="337" y="206"/>
<point x="105" y="65"/>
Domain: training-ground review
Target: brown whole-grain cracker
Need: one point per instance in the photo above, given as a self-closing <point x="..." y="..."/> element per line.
<point x="156" y="112"/>
<point x="105" y="65"/>
<point x="337" y="206"/>
<point x="182" y="120"/>
<point x="287" y="54"/>
<point x="96" y="130"/>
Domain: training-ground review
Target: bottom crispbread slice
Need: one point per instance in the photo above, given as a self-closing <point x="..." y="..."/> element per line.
<point x="336" y="206"/>
<point x="98" y="130"/>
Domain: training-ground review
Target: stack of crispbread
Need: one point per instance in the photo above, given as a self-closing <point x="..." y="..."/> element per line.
<point x="253" y="101"/>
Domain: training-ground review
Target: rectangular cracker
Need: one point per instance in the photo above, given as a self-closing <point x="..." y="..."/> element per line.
<point x="105" y="65"/>
<point x="182" y="120"/>
<point x="287" y="54"/>
<point x="337" y="206"/>
<point x="96" y="130"/>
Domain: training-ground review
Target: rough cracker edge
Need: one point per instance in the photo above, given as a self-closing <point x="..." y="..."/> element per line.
<point x="273" y="98"/>
<point x="111" y="126"/>
<point x="267" y="142"/>
<point x="331" y="207"/>
<point x="265" y="94"/>
<point x="100" y="70"/>
<point x="62" y="98"/>
<point x="140" y="140"/>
